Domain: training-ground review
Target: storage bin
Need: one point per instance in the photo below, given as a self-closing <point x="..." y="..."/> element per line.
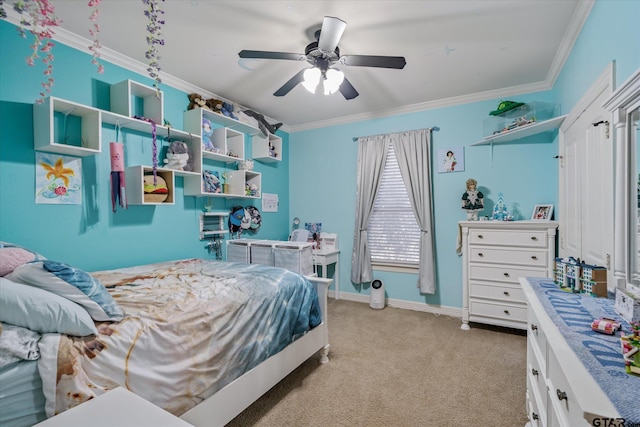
<point x="238" y="250"/>
<point x="262" y="252"/>
<point x="294" y="256"/>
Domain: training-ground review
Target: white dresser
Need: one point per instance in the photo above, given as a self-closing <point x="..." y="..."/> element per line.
<point x="561" y="391"/>
<point x="494" y="255"/>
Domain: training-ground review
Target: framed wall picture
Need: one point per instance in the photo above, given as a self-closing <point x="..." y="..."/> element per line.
<point x="451" y="160"/>
<point x="542" y="212"/>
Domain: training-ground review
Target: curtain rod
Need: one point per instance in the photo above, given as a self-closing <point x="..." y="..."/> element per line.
<point x="433" y="129"/>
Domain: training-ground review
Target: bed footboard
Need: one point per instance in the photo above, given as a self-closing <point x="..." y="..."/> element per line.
<point x="238" y="395"/>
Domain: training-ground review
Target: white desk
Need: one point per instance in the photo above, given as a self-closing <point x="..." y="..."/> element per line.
<point x="117" y="407"/>
<point x="324" y="258"/>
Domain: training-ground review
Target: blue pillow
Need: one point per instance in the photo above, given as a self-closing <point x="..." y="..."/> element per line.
<point x="71" y="283"/>
<point x="42" y="311"/>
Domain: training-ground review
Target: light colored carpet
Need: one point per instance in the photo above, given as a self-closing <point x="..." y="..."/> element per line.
<point x="395" y="367"/>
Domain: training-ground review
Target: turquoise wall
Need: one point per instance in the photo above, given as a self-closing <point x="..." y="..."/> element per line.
<point x="315" y="181"/>
<point x="90" y="235"/>
<point x="524" y="171"/>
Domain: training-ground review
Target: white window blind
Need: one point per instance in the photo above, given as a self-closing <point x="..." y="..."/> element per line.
<point x="393" y="233"/>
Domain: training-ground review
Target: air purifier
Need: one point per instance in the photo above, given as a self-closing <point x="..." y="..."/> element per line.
<point x="377" y="294"/>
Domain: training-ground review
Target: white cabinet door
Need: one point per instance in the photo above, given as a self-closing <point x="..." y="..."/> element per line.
<point x="586" y="179"/>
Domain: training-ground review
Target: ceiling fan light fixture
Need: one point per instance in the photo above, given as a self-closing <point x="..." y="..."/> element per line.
<point x="334" y="79"/>
<point x="311" y="79"/>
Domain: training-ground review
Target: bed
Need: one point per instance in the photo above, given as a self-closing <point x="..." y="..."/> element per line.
<point x="201" y="339"/>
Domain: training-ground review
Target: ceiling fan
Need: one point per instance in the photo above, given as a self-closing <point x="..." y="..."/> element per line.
<point x="323" y="54"/>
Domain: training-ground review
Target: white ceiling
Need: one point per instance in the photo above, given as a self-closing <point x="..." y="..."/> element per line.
<point x="456" y="50"/>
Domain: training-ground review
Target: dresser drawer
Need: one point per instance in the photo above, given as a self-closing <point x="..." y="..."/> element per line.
<point x="535" y="374"/>
<point x="537" y="341"/>
<point x="507" y="294"/>
<point x="562" y="398"/>
<point x="503" y="273"/>
<point x="524" y="257"/>
<point x="533" y="238"/>
<point x="535" y="408"/>
<point x="517" y="313"/>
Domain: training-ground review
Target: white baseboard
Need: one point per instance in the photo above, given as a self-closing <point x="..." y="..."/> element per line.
<point x="406" y="305"/>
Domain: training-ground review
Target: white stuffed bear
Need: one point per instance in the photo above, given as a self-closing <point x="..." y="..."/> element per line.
<point x="177" y="156"/>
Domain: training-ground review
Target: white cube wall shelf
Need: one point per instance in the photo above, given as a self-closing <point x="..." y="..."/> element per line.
<point x="65" y="127"/>
<point x="126" y="96"/>
<point x="134" y="176"/>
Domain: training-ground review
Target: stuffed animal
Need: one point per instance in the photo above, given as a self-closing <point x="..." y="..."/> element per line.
<point x="214" y="105"/>
<point x="211" y="182"/>
<point x="207" y="131"/>
<point x="264" y="125"/>
<point x="196" y="101"/>
<point x="177" y="156"/>
<point x="227" y="110"/>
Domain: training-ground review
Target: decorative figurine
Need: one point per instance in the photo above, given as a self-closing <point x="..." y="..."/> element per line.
<point x="472" y="200"/>
<point x="500" y="211"/>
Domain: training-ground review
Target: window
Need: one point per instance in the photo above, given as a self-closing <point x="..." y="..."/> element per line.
<point x="393" y="233"/>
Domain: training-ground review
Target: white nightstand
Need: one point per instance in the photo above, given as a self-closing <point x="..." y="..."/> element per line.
<point x="117" y="407"/>
<point x="324" y="258"/>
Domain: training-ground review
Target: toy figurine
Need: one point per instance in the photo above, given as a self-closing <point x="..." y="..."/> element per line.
<point x="472" y="200"/>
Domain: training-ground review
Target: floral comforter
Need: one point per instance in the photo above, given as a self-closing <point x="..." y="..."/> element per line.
<point x="191" y="327"/>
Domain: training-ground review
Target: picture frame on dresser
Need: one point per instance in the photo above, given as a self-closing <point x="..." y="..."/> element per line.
<point x="542" y="212"/>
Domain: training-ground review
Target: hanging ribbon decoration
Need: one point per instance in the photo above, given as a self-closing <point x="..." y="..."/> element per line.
<point x="154" y="153"/>
<point x="118" y="184"/>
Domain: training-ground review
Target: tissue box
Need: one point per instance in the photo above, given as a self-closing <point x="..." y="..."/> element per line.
<point x="627" y="305"/>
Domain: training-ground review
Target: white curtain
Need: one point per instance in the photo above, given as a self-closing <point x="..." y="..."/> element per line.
<point x="412" y="150"/>
<point x="414" y="160"/>
<point x="372" y="157"/>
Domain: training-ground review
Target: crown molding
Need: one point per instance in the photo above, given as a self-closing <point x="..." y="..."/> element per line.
<point x="429" y="105"/>
<point x="580" y="16"/>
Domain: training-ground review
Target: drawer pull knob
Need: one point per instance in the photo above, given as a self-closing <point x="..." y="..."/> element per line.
<point x="480" y="254"/>
<point x="506" y="312"/>
<point x="506" y="293"/>
<point x="534" y="257"/>
<point x="534" y="416"/>
<point x="534" y="372"/>
<point x="561" y="394"/>
<point x="506" y="274"/>
<point x="534" y="328"/>
<point x="534" y="238"/>
<point x="480" y="236"/>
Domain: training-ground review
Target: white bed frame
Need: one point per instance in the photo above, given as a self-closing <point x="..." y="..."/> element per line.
<point x="238" y="395"/>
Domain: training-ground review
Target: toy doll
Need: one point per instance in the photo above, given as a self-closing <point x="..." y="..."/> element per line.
<point x="472" y="200"/>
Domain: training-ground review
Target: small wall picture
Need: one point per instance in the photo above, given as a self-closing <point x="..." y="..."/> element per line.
<point x="451" y="160"/>
<point x="542" y="212"/>
<point x="58" y="179"/>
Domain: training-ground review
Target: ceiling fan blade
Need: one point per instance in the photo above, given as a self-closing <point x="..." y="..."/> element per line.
<point x="347" y="90"/>
<point x="293" y="82"/>
<point x="330" y="33"/>
<point x="260" y="54"/>
<point x="397" y="62"/>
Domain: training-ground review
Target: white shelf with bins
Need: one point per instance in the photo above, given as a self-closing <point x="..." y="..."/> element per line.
<point x="267" y="149"/>
<point x="213" y="224"/>
<point x="135" y="175"/>
<point x="65" y="127"/>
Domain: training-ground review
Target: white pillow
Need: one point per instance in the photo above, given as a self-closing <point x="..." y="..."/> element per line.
<point x="71" y="283"/>
<point x="42" y="311"/>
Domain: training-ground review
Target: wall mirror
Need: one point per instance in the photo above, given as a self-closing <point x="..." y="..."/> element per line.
<point x="625" y="107"/>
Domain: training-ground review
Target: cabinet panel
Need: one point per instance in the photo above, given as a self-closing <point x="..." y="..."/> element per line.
<point x="528" y="257"/>
<point x="505" y="273"/>
<point x="509" y="294"/>
<point x="493" y="310"/>
<point x="508" y="238"/>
